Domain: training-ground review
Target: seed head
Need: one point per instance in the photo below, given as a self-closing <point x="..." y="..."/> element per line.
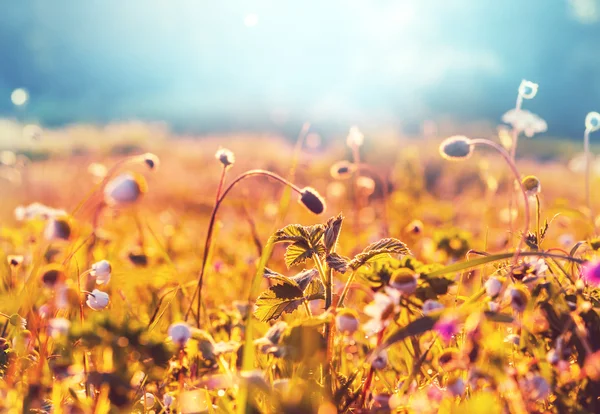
<point x="381" y="360"/>
<point x="355" y="137"/>
<point x="527" y="89"/>
<point x="125" y="189"/>
<point x="225" y="156"/>
<point x="456" y="148"/>
<point x="404" y="280"/>
<point x="180" y="333"/>
<point x="518" y="298"/>
<point x="97" y="300"/>
<point x="346" y="321"/>
<point x="415" y="227"/>
<point x="532" y="185"/>
<point x="342" y="170"/>
<point x="312" y="200"/>
<point x="592" y="121"/>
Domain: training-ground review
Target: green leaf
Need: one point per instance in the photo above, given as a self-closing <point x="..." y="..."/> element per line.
<point x="337" y="262"/>
<point x="383" y="246"/>
<point x="284" y="296"/>
<point x="298" y="253"/>
<point x="315" y="290"/>
<point x="416" y="327"/>
<point x="304" y="278"/>
<point x="291" y="233"/>
<point x="332" y="232"/>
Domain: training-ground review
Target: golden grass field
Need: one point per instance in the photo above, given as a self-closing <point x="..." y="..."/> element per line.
<point x="440" y="316"/>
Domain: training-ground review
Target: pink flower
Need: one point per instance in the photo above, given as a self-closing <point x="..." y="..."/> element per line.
<point x="447" y="327"/>
<point x="591" y="273"/>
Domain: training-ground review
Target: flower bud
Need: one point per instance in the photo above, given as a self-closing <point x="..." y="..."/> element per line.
<point x="148" y="400"/>
<point x="52" y="275"/>
<point x="493" y="287"/>
<point x="404" y="280"/>
<point x="101" y="270"/>
<point x="456" y="148"/>
<point x="346" y="321"/>
<point x="591" y="273"/>
<point x="527" y="89"/>
<point x="226" y="157"/>
<point x="518" y="298"/>
<point x="381" y="360"/>
<point x="532" y="185"/>
<point x="14" y="260"/>
<point x="592" y="122"/>
<point x="168" y="400"/>
<point x="97" y="300"/>
<point x="312" y="200"/>
<point x="180" y="333"/>
<point x="342" y="170"/>
<point x="125" y="189"/>
<point x="57" y="228"/>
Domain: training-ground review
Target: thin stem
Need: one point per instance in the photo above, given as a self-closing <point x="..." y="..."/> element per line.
<point x="81" y="317"/>
<point x="307" y="309"/>
<point x="538" y="233"/>
<point x="588" y="194"/>
<point x="211" y="224"/>
<point x="367" y="386"/>
<point x="345" y="291"/>
<point x="517" y="176"/>
<point x="324" y="279"/>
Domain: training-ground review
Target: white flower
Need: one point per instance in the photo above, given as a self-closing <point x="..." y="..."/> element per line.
<point x="101" y="271"/>
<point x="148" y="400"/>
<point x="525" y="121"/>
<point x="167" y="400"/>
<point x="355" y="137"/>
<point x="592" y="121"/>
<point x="97" y="300"/>
<point x="527" y="89"/>
<point x="431" y="306"/>
<point x="384" y="306"/>
<point x="125" y="189"/>
<point x="58" y="327"/>
<point x="225" y="156"/>
<point x="57" y="228"/>
<point x="493" y="287"/>
<point x="180" y="333"/>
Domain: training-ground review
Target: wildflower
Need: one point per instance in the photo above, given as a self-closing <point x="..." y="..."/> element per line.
<point x="97" y="300"/>
<point x="447" y="327"/>
<point x="168" y="400"/>
<point x="52" y="275"/>
<point x="380" y="361"/>
<point x="532" y="185"/>
<point x="592" y="121"/>
<point x="14" y="260"/>
<point x="591" y="273"/>
<point x="383" y="307"/>
<point x="148" y="400"/>
<point x="518" y="298"/>
<point x="456" y="147"/>
<point x="151" y="160"/>
<point x="101" y="270"/>
<point x="125" y="189"/>
<point x="346" y="321"/>
<point x="431" y="306"/>
<point x="312" y="200"/>
<point x="456" y="387"/>
<point x="58" y="327"/>
<point x="529" y="270"/>
<point x="58" y="228"/>
<point x="493" y="287"/>
<point x="404" y="280"/>
<point x="525" y="121"/>
<point x="552" y="357"/>
<point x="527" y="89"/>
<point x="355" y="138"/>
<point x="225" y="156"/>
<point x="180" y="333"/>
<point x="449" y="360"/>
<point x="342" y="170"/>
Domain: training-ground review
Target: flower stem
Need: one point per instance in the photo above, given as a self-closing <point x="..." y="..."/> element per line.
<point x="345" y="291"/>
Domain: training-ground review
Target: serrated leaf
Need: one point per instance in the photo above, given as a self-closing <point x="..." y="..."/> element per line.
<point x="332" y="232"/>
<point x="315" y="233"/>
<point x="383" y="246"/>
<point x="315" y="290"/>
<point x="337" y="262"/>
<point x="298" y="253"/>
<point x="291" y="233"/>
<point x="304" y="278"/>
<point x="270" y="273"/>
<point x="284" y="296"/>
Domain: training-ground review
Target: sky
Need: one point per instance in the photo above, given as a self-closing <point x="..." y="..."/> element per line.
<point x="264" y="64"/>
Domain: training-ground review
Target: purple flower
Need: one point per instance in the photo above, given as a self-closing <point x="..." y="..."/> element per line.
<point x="446" y="327"/>
<point x="591" y="273"/>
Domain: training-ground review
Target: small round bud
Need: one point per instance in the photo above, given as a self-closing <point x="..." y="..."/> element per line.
<point x="151" y="160"/>
<point x="456" y="148"/>
<point x="380" y="361"/>
<point x="342" y="170"/>
<point x="52" y="275"/>
<point x="346" y="321"/>
<point x="312" y="200"/>
<point x="101" y="271"/>
<point x="148" y="400"/>
<point x="493" y="287"/>
<point x="17" y="321"/>
<point x="168" y="400"/>
<point x="592" y="121"/>
<point x="532" y="185"/>
<point x="518" y="298"/>
<point x="180" y="333"/>
<point x="57" y="228"/>
<point x="404" y="280"/>
<point x="97" y="300"/>
<point x="125" y="189"/>
<point x="226" y="157"/>
<point x="527" y="89"/>
<point x="355" y="137"/>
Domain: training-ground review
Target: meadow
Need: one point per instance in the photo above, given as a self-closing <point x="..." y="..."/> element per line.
<point x="151" y="273"/>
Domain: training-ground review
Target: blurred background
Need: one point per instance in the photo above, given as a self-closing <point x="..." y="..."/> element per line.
<point x="270" y="65"/>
